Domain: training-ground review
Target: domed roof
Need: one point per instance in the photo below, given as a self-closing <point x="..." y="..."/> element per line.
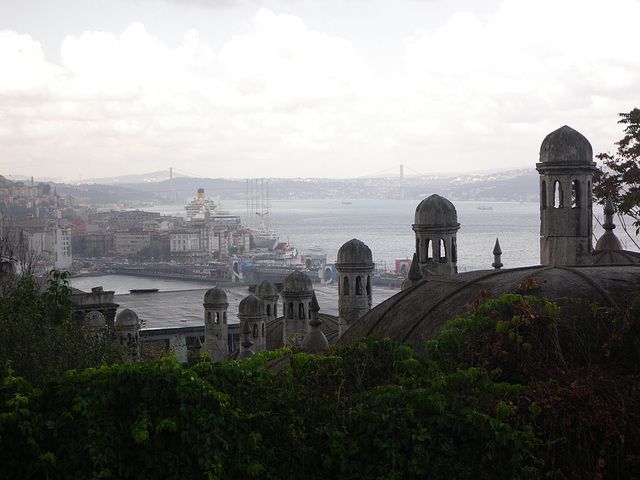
<point x="251" y="306"/>
<point x="608" y="241"/>
<point x="94" y="319"/>
<point x="566" y="146"/>
<point x="421" y="312"/>
<point x="297" y="282"/>
<point x="215" y="296"/>
<point x="436" y="211"/>
<point x="266" y="289"/>
<point x="127" y="318"/>
<point x="355" y="252"/>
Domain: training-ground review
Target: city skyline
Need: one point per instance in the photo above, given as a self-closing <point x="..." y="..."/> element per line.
<point x="306" y="88"/>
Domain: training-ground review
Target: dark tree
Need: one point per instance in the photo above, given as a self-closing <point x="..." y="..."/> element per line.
<point x="620" y="176"/>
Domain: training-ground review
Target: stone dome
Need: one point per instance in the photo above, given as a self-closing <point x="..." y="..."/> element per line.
<point x="297" y="282"/>
<point x="266" y="289"/>
<point x="251" y="306"/>
<point x="421" y="312"/>
<point x="94" y="320"/>
<point x="436" y="211"/>
<point x="566" y="146"/>
<point x="355" y="252"/>
<point x="215" y="296"/>
<point x="608" y="241"/>
<point x="127" y="318"/>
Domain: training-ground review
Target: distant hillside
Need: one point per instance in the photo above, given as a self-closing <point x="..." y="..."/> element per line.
<point x="515" y="185"/>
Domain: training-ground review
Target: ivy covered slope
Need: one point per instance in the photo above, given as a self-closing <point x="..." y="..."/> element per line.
<point x="513" y="389"/>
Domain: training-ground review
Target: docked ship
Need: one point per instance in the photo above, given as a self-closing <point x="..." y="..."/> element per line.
<point x="258" y="215"/>
<point x="203" y="209"/>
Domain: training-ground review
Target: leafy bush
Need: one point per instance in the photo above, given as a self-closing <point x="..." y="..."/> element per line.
<point x="506" y="392"/>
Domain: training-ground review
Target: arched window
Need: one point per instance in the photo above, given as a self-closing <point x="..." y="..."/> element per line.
<point x="419" y="253"/>
<point x="290" y="310"/>
<point x="224" y="318"/>
<point x="442" y="250"/>
<point x="217" y="318"/>
<point x="268" y="309"/>
<point x="558" y="201"/>
<point x="543" y="195"/>
<point x="275" y="310"/>
<point x="208" y="318"/>
<point x="369" y="285"/>
<point x="255" y="330"/>
<point x="428" y="247"/>
<point x="358" y="285"/>
<point x="575" y="194"/>
<point x="264" y="330"/>
<point x="301" y="311"/>
<point x="454" y="250"/>
<point x="345" y="285"/>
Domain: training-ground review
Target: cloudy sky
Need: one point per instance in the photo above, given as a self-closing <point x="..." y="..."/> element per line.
<point x="307" y="88"/>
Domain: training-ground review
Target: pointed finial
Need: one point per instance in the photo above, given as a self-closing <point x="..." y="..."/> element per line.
<point x="415" y="273"/>
<point x="314" y="341"/>
<point x="314" y="310"/>
<point x="246" y="344"/>
<point x="609" y="211"/>
<point x="497" y="253"/>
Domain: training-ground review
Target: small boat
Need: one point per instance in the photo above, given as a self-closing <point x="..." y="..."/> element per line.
<point x="484" y="207"/>
<point x="346" y="202"/>
<point x="144" y="290"/>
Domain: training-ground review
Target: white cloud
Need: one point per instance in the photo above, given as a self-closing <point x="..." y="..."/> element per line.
<point x="286" y="99"/>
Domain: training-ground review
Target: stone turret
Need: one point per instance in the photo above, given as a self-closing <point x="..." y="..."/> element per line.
<point x="94" y="321"/>
<point x="355" y="268"/>
<point x="566" y="167"/>
<point x="297" y="292"/>
<point x="215" y="324"/>
<point x="252" y="317"/>
<point x="436" y="226"/>
<point x="127" y="333"/>
<point x="268" y="293"/>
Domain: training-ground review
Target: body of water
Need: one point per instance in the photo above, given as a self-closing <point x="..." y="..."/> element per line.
<point x="384" y="225"/>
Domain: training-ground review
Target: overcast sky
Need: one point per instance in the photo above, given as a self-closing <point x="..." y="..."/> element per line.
<point x="307" y="88"/>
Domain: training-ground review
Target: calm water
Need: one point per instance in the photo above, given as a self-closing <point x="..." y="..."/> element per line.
<point x="384" y="225"/>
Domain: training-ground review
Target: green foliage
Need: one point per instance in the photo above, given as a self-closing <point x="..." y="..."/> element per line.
<point x="513" y="389"/>
<point x="620" y="179"/>
<point x="39" y="339"/>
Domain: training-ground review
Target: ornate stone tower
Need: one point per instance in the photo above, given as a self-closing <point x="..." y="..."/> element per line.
<point x="252" y="322"/>
<point x="268" y="293"/>
<point x="436" y="228"/>
<point x="127" y="333"/>
<point x="296" y="300"/>
<point x="566" y="167"/>
<point x="355" y="268"/>
<point x="215" y="324"/>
